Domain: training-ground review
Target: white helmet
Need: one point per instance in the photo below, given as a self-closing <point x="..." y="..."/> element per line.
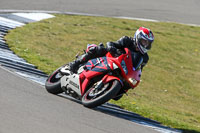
<point x="144" y="38"/>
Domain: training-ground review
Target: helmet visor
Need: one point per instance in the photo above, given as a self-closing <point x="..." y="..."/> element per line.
<point x="145" y="44"/>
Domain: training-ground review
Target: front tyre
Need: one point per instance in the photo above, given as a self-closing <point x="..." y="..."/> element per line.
<point x="95" y="97"/>
<point x="53" y="84"/>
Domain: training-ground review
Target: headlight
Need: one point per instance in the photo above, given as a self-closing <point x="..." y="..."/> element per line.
<point x="115" y="66"/>
<point x="133" y="81"/>
<point x="123" y="64"/>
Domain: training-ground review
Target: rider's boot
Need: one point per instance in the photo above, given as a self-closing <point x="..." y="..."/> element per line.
<point x="73" y="66"/>
<point x="92" y="53"/>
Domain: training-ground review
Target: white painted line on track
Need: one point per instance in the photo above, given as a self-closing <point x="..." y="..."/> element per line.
<point x="38" y="79"/>
<point x="140" y="19"/>
<point x="11" y="22"/>
<point x="34" y="16"/>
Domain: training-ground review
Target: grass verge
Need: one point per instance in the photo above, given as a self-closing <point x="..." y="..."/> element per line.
<point x="170" y="87"/>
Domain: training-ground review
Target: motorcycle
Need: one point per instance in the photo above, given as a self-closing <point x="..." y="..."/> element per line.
<point x="98" y="80"/>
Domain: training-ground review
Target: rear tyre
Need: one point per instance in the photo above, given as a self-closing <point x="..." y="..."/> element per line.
<point x="53" y="84"/>
<point x="93" y="97"/>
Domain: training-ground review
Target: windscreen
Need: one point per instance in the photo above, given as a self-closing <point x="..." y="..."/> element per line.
<point x="137" y="60"/>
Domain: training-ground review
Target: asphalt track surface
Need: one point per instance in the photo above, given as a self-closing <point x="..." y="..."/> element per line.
<point x="182" y="11"/>
<point x="26" y="107"/>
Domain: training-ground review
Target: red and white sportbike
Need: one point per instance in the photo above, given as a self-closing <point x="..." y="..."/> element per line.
<point x="98" y="80"/>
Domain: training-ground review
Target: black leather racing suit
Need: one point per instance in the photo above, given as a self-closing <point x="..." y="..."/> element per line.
<point x="100" y="50"/>
<point x="127" y="42"/>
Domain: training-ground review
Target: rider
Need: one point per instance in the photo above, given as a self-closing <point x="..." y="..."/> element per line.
<point x="141" y="43"/>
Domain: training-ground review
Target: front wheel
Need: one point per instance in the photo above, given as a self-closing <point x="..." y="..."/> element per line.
<point x="95" y="97"/>
<point x="53" y="84"/>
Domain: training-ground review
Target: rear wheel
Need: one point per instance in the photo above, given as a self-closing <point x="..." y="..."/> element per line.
<point x="53" y="84"/>
<point x="96" y="96"/>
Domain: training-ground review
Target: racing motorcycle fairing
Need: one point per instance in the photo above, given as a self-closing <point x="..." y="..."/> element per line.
<point x="102" y="66"/>
<point x="98" y="65"/>
<point x="95" y="69"/>
<point x="71" y="84"/>
<point x="126" y="64"/>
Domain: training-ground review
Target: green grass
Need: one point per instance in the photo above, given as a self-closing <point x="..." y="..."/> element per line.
<point x="170" y="87"/>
